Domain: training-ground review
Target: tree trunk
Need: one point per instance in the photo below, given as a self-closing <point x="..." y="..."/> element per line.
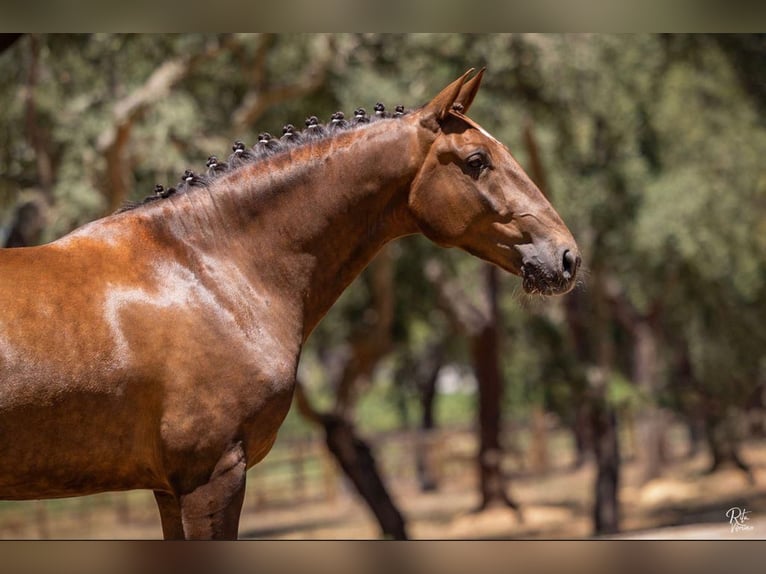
<point x="581" y="429"/>
<point x="606" y="510"/>
<point x="695" y="425"/>
<point x="356" y="460"/>
<point x="427" y="478"/>
<point x="28" y="223"/>
<point x="682" y="375"/>
<point x="650" y="420"/>
<point x="37" y="136"/>
<point x="596" y="421"/>
<point x="538" y="450"/>
<point x="724" y="445"/>
<point x="485" y="353"/>
<point x="480" y="321"/>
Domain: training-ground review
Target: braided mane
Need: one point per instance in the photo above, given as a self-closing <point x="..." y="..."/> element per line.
<point x="267" y="146"/>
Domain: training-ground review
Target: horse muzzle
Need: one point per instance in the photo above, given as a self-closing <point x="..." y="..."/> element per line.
<point x="550" y="273"/>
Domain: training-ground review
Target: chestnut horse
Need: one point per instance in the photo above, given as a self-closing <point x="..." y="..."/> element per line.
<point x="157" y="348"/>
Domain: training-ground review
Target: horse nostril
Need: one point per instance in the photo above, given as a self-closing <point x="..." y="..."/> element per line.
<point x="570" y="262"/>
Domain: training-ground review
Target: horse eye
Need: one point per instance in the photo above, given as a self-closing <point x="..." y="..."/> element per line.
<point x="476" y="161"/>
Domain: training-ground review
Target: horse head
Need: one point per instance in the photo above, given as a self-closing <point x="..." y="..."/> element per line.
<point x="471" y="193"/>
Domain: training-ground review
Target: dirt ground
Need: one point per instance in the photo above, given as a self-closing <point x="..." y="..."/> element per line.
<point x="684" y="503"/>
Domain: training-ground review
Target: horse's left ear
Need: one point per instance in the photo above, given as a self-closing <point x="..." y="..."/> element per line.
<point x="468" y="92"/>
<point x="438" y="108"/>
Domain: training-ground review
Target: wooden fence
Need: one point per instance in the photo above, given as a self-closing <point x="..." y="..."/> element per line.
<point x="298" y="469"/>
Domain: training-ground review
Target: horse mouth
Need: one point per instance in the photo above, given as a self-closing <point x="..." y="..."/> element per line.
<point x="538" y="280"/>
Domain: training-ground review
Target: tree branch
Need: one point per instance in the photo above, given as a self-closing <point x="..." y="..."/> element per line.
<point x="536" y="169"/>
<point x="371" y="341"/>
<point x="113" y="142"/>
<point x="305" y="408"/>
<point x="462" y="311"/>
<point x="261" y="97"/>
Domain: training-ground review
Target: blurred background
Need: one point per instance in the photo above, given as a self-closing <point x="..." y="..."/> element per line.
<point x="436" y="399"/>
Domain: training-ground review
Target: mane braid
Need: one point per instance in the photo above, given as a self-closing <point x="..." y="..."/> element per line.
<point x="191" y="179"/>
<point x="215" y="167"/>
<point x="240" y="154"/>
<point x="268" y="146"/>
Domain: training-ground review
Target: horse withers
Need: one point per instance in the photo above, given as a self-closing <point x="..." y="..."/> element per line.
<point x="157" y="348"/>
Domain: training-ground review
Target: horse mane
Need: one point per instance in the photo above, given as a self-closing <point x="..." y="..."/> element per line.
<point x="268" y="146"/>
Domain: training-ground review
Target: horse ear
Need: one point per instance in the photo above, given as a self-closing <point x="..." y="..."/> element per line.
<point x="438" y="108"/>
<point x="468" y="92"/>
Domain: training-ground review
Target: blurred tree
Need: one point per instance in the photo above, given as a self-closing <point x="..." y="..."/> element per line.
<point x="652" y="143"/>
<point x="479" y="319"/>
<point x="650" y="146"/>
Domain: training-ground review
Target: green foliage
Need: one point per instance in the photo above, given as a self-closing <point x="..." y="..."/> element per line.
<point x="653" y="148"/>
<point x="623" y="394"/>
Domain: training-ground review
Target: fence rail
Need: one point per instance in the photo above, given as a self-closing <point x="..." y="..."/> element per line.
<point x="298" y="469"/>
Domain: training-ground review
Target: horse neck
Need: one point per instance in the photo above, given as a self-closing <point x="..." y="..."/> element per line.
<point x="307" y="222"/>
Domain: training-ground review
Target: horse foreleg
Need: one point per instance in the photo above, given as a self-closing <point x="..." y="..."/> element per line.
<point x="170" y="514"/>
<point x="212" y="510"/>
